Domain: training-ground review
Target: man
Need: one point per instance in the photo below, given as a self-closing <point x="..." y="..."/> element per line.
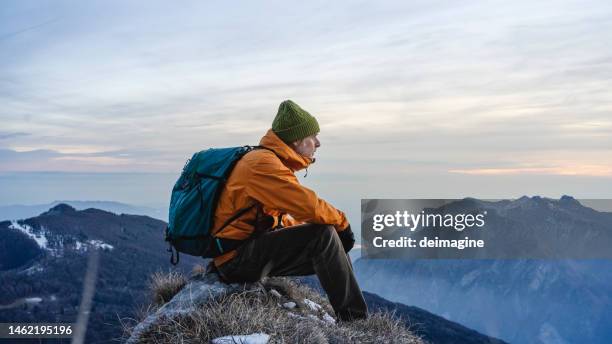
<point x="310" y="236"/>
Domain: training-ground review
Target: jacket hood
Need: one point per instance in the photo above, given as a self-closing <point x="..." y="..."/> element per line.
<point x="288" y="156"/>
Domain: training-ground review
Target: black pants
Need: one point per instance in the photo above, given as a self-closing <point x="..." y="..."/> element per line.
<point x="298" y="251"/>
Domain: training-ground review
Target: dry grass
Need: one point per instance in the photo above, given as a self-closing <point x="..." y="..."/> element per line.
<point x="260" y="311"/>
<point x="292" y="291"/>
<point x="163" y="286"/>
<point x="378" y="328"/>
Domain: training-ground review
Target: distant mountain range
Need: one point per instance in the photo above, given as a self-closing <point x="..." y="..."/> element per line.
<point x="520" y="301"/>
<point x="431" y="327"/>
<point x="43" y="261"/>
<point x="20" y="211"/>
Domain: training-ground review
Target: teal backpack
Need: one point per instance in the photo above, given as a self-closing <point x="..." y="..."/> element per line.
<point x="194" y="200"/>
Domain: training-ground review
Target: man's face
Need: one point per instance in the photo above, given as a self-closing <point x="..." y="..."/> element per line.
<point x="307" y="146"/>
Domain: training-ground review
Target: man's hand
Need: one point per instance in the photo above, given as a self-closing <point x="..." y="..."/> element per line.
<point x="348" y="238"/>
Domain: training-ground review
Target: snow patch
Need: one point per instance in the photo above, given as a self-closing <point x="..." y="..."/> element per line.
<point x="33" y="300"/>
<point x="328" y="318"/>
<point x="469" y="278"/>
<point x="83" y="246"/>
<point x="275" y="293"/>
<point x="313" y="317"/>
<point x="289" y="305"/>
<point x="312" y="305"/>
<point x="541" y="274"/>
<point x="100" y="244"/>
<point x="40" y="237"/>
<point x="33" y="269"/>
<point x="293" y="315"/>
<point x="255" y="338"/>
<point x="549" y="335"/>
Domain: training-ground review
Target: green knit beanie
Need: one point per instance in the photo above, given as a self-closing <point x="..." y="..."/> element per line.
<point x="293" y="123"/>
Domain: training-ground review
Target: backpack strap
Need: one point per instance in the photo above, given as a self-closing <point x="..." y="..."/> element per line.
<point x="174" y="255"/>
<point x="236" y="216"/>
<point x="223" y="245"/>
<point x="266" y="148"/>
<point x="218" y="245"/>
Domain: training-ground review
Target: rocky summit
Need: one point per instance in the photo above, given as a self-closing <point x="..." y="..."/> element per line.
<point x="275" y="310"/>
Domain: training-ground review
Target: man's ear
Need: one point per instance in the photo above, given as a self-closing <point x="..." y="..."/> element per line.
<point x="294" y="144"/>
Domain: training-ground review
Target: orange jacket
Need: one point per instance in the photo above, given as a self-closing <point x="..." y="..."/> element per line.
<point x="267" y="178"/>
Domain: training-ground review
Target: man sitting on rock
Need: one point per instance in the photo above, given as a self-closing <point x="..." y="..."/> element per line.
<point x="290" y="231"/>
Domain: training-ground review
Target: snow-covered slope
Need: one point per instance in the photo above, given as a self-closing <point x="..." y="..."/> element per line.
<point x="524" y="301"/>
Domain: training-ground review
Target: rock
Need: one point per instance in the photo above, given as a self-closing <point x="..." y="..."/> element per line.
<point x="200" y="290"/>
<point x="276" y="293"/>
<point x="205" y="308"/>
<point x="289" y="305"/>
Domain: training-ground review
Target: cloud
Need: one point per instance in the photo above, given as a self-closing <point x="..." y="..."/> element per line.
<point x="567" y="170"/>
<point x="10" y="135"/>
<point x="11" y="160"/>
<point x="466" y="87"/>
<point x="109" y="161"/>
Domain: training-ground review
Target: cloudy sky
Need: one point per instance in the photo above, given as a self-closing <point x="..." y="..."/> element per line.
<point x="414" y="98"/>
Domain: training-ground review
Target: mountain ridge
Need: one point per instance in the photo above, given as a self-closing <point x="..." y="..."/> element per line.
<point x="499" y="297"/>
<point x="53" y="274"/>
<point x="22" y="211"/>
